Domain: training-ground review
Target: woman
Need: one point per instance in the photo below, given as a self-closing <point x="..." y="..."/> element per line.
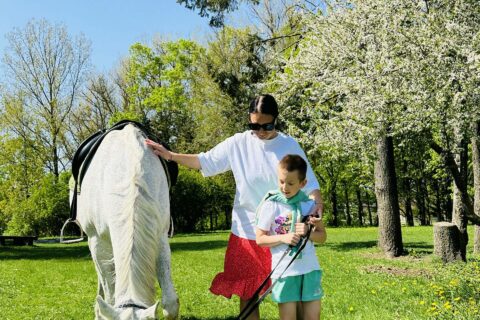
<point x="253" y="157"/>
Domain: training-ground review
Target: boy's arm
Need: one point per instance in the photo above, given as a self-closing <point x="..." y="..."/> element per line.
<point x="266" y="240"/>
<point x="318" y="234"/>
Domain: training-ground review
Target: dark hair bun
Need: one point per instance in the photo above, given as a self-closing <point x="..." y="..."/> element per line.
<point x="265" y="104"/>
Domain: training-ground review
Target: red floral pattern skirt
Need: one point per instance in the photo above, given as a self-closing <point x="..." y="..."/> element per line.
<point x="246" y="267"/>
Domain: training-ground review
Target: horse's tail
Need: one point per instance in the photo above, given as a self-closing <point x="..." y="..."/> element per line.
<point x="137" y="228"/>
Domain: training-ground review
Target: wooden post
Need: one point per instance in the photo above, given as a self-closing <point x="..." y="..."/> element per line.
<point x="447" y="242"/>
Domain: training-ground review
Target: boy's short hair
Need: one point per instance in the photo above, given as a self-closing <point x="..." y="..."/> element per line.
<point x="292" y="162"/>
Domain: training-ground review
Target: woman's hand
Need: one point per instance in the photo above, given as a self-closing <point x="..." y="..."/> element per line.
<point x="159" y="150"/>
<point x="291" y="239"/>
<point x="316" y="211"/>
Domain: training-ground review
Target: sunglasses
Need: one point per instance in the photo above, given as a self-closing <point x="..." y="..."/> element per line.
<point x="257" y="126"/>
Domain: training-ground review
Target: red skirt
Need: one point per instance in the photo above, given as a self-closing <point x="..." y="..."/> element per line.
<point x="246" y="267"/>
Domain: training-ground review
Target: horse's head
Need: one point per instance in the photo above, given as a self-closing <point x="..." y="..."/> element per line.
<point x="107" y="312"/>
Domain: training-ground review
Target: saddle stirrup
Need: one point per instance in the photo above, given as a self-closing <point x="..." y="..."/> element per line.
<point x="62" y="237"/>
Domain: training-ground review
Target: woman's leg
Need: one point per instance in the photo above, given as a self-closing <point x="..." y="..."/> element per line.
<point x="255" y="315"/>
<point x="311" y="310"/>
<point x="288" y="310"/>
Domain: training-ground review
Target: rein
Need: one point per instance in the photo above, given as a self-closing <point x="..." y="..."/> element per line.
<point x="252" y="304"/>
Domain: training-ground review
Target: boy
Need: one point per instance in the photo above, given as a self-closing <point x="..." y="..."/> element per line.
<point x="278" y="226"/>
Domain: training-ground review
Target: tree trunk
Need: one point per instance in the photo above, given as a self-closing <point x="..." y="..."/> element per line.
<point x="408" y="199"/>
<point x="369" y="209"/>
<point x="476" y="183"/>
<point x="446" y="240"/>
<point x="459" y="214"/>
<point x="420" y="199"/>
<point x="459" y="177"/>
<point x="347" y="205"/>
<point x="390" y="233"/>
<point x="360" y="207"/>
<point x="426" y="203"/>
<point x="228" y="210"/>
<point x="438" y="203"/>
<point x="448" y="202"/>
<point x="333" y="199"/>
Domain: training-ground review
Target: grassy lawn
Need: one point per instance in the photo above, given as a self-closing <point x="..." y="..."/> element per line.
<point x="53" y="281"/>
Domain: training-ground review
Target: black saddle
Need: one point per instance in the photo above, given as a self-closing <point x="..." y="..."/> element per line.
<point x="87" y="149"/>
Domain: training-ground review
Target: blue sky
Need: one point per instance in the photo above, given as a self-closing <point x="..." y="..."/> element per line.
<point x="111" y="25"/>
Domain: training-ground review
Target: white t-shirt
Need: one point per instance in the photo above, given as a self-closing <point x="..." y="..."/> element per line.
<point x="253" y="162"/>
<point x="276" y="218"/>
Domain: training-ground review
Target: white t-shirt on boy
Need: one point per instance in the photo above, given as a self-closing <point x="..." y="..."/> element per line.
<point x="276" y="217"/>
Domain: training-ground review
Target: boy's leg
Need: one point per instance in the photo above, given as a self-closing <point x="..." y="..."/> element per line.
<point x="311" y="310"/>
<point x="299" y="310"/>
<point x="255" y="315"/>
<point x="288" y="310"/>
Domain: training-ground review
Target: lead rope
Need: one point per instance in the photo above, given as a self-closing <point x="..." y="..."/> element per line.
<point x="251" y="306"/>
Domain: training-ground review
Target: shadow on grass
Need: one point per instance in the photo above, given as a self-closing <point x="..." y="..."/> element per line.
<point x="419" y="247"/>
<point x="195" y="318"/>
<point x="348" y="246"/>
<point x="43" y="252"/>
<point x="198" y="246"/>
<point x="58" y="251"/>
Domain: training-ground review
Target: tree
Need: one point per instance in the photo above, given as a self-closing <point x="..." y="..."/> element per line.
<point x="341" y="72"/>
<point x="45" y="71"/>
<point x="234" y="60"/>
<point x="393" y="68"/>
<point x="215" y="9"/>
<point x="157" y="83"/>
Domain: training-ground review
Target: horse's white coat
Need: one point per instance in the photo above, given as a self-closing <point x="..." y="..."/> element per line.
<point x="124" y="209"/>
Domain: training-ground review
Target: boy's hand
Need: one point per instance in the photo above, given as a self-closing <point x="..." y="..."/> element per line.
<point x="301" y="228"/>
<point x="316" y="221"/>
<point x="291" y="239"/>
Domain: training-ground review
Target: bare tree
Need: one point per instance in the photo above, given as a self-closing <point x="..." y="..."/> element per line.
<point x="48" y="68"/>
<point x="99" y="102"/>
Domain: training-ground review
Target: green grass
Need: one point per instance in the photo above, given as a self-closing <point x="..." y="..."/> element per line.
<point x="54" y="281"/>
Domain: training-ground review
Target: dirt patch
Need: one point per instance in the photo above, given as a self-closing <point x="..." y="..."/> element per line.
<point x="418" y="257"/>
<point x="397" y="271"/>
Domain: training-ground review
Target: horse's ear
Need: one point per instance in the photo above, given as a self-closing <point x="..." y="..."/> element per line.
<point x="153" y="312"/>
<point x="104" y="310"/>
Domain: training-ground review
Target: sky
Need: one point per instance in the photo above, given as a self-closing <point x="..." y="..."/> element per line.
<point x="111" y="25"/>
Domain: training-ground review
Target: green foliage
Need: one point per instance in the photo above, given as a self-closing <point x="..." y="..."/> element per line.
<point x="214" y="9"/>
<point x="158" y="82"/>
<point x="43" y="212"/>
<point x="197" y="202"/>
<point x="235" y="61"/>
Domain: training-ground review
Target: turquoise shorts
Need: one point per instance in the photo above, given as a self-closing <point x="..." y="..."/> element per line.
<point x="305" y="287"/>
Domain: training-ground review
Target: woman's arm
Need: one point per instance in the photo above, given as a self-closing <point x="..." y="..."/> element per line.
<point x="266" y="240"/>
<point x="187" y="160"/>
<point x="318" y="208"/>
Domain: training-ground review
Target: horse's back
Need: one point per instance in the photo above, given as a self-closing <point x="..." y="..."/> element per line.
<point x="123" y="170"/>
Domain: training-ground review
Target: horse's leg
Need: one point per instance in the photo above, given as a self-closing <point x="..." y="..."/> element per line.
<point x="169" y="296"/>
<point x="102" y="256"/>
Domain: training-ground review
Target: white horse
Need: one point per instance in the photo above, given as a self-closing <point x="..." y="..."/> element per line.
<point x="124" y="209"/>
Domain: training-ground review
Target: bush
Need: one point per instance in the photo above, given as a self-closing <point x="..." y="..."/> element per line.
<point x="199" y="203"/>
<point x="43" y="212"/>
